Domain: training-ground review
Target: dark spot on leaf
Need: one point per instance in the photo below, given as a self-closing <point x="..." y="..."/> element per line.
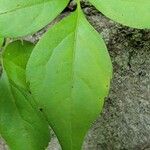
<point x="18" y="5"/>
<point x="41" y="109"/>
<point x="30" y="92"/>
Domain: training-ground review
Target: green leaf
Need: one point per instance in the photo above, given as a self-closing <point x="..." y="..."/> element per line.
<point x="15" y="58"/>
<point x="69" y="73"/>
<point x="21" y="124"/>
<point x="24" y="126"/>
<point x="1" y="41"/>
<point x="133" y="13"/>
<point x="22" y="17"/>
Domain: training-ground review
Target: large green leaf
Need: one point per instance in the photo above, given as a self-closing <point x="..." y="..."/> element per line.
<point x="15" y="58"/>
<point x="22" y="17"/>
<point x="69" y="73"/>
<point x="133" y="13"/>
<point x="21" y="124"/>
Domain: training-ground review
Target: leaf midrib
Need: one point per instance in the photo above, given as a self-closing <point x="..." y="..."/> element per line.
<point x="73" y="72"/>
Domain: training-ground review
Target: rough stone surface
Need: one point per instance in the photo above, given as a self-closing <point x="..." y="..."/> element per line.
<point x="125" y="121"/>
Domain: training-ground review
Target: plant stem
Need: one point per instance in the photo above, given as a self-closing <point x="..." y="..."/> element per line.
<point x="78" y="3"/>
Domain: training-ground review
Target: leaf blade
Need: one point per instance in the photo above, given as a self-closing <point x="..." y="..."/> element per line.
<point x="58" y="72"/>
<point x="41" y="13"/>
<point x="21" y="123"/>
<point x="16" y="127"/>
<point x="15" y="58"/>
<point x="132" y="13"/>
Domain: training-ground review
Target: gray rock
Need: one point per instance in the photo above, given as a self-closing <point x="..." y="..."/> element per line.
<point x="125" y="121"/>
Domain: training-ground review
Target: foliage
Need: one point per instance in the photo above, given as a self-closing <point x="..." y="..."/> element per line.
<point x="21" y="123"/>
<point x="62" y="80"/>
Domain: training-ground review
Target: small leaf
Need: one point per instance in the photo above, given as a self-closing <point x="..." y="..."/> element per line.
<point x="69" y="73"/>
<point x="21" y="124"/>
<point x="133" y="13"/>
<point x="22" y="17"/>
<point x="15" y="58"/>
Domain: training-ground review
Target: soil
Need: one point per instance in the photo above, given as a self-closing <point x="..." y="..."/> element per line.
<point x="125" y="121"/>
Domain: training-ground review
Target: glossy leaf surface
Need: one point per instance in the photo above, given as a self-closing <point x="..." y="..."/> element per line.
<point x="69" y="73"/>
<point x="22" y="17"/>
<point x="133" y="13"/>
<point x="21" y="122"/>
